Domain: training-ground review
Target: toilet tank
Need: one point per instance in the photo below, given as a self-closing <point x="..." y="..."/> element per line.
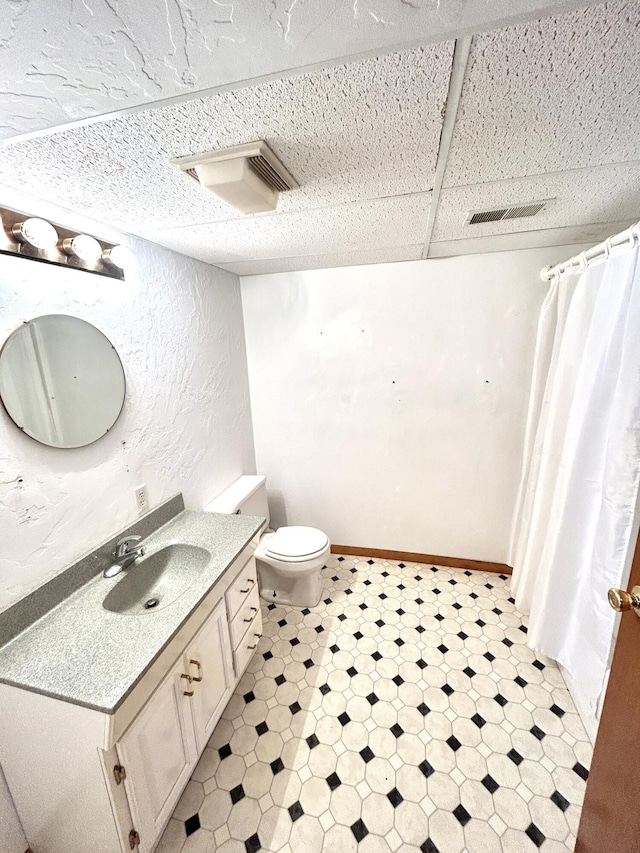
<point x="247" y="496"/>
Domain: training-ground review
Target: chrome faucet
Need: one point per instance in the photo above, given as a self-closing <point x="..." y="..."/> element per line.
<point x="124" y="556"/>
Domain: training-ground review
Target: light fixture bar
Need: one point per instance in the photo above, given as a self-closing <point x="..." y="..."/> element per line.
<point x="50" y="243"/>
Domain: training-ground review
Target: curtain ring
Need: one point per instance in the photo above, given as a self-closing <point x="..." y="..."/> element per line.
<point x="628" y="241"/>
<point x="574" y="265"/>
<point x="582" y="261"/>
<point x="607" y="248"/>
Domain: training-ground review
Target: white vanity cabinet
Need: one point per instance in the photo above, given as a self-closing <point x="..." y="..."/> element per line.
<point x="86" y="780"/>
<point x="156" y="757"/>
<point x="208" y="663"/>
<point x="245" y="616"/>
<point x="161" y="747"/>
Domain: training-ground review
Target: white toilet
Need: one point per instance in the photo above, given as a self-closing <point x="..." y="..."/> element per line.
<point x="289" y="559"/>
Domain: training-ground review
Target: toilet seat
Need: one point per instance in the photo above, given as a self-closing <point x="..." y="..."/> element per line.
<point x="296" y="544"/>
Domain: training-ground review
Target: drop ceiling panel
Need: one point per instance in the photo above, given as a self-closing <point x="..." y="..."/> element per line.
<point x="363" y="130"/>
<point x="73" y="60"/>
<point x="560" y="93"/>
<point x="602" y="194"/>
<point x="583" y="236"/>
<point x="378" y="224"/>
<point x="545" y="109"/>
<point x="327" y="261"/>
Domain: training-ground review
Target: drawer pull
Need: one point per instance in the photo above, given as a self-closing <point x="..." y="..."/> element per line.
<point x="250" y="618"/>
<point x="249" y="581"/>
<point x="255" y="645"/>
<point x="197" y="664"/>
<point x="189" y="680"/>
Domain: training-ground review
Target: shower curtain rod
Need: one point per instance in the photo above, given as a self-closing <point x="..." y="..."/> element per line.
<point x="626" y="238"/>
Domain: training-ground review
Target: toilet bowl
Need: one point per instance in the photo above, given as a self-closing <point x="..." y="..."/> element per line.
<point x="289" y="559"/>
<point x="289" y="563"/>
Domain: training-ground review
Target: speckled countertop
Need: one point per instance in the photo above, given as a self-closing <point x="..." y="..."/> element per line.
<point x="83" y="653"/>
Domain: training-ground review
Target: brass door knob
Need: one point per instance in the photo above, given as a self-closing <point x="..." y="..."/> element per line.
<point x="621" y="600"/>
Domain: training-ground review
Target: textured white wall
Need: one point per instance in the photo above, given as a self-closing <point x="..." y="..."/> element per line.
<point x="389" y="401"/>
<point x="186" y="425"/>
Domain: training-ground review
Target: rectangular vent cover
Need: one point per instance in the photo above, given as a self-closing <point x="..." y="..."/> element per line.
<point x="259" y="156"/>
<point x="260" y="165"/>
<point x="476" y="217"/>
<point x="487" y="216"/>
<point x="268" y="174"/>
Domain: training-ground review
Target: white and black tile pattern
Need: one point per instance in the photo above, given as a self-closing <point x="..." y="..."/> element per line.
<point x="403" y="714"/>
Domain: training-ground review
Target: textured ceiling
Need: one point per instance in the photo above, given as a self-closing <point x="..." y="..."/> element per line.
<point x="74" y="59"/>
<point x="549" y="109"/>
<point x="552" y="95"/>
<point x="601" y="194"/>
<point x="374" y="224"/>
<point x="385" y="143"/>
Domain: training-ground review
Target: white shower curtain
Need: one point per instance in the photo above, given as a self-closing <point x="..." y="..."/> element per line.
<point x="576" y="506"/>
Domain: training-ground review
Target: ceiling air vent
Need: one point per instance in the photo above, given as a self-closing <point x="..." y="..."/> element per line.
<point x="496" y="214"/>
<point x="487" y="216"/>
<point x="269" y="174"/>
<point x="248" y="177"/>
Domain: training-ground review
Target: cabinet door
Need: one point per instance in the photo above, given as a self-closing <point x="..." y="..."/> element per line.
<point x="158" y="752"/>
<point x="208" y="657"/>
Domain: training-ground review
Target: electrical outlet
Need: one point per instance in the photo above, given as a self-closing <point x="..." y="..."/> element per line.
<point x="142" y="498"/>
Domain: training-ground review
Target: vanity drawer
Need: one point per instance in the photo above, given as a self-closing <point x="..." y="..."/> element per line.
<point x="241" y="587"/>
<point x="244" y="616"/>
<point x="245" y="650"/>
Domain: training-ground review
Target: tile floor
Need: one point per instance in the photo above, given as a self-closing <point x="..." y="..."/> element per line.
<point x="402" y="714"/>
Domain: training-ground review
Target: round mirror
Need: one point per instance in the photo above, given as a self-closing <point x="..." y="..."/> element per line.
<point x="61" y="381"/>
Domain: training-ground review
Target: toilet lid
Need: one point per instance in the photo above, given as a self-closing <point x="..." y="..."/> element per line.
<point x="296" y="542"/>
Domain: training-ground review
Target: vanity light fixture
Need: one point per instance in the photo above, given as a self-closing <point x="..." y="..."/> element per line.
<point x="36" y="232"/>
<point x="118" y="256"/>
<point x="84" y="248"/>
<point x="35" y="239"/>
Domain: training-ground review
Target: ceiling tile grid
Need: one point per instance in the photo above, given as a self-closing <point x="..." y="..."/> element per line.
<point x="74" y="60"/>
<point x="369" y="129"/>
<point x="556" y="94"/>
<point x="549" y="109"/>
<point x="378" y="255"/>
<point x="374" y="224"/>
<point x="596" y="195"/>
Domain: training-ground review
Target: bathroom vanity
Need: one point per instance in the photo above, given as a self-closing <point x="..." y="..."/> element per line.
<point x="105" y="707"/>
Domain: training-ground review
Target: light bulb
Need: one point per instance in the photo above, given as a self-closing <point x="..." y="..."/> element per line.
<point x="83" y="247"/>
<point x="118" y="256"/>
<point x="36" y="232"/>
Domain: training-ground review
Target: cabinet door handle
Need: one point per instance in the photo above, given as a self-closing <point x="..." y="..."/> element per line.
<point x="189" y="680"/>
<point x="249" y="581"/>
<point x="197" y="664"/>
<point x="256" y="642"/>
<point x="250" y="618"/>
